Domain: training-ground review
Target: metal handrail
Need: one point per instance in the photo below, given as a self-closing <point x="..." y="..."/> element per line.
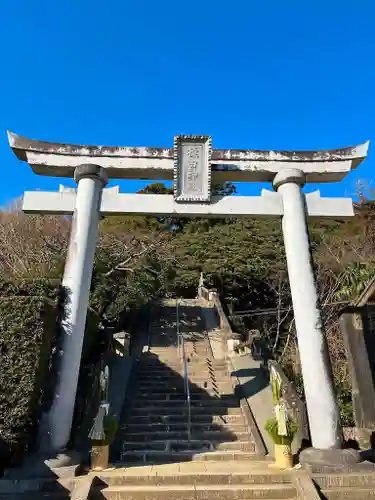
<point x="182" y="350"/>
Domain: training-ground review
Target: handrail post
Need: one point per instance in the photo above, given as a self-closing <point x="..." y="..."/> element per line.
<point x="178" y="330"/>
<point x="181" y="345"/>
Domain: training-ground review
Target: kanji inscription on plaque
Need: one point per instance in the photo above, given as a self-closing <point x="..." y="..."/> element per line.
<point x="192" y="168"/>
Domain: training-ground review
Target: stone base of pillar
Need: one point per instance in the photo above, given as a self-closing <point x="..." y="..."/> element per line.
<point x="232" y="343"/>
<point x="44" y="466"/>
<point x="335" y="461"/>
<point x="66" y="464"/>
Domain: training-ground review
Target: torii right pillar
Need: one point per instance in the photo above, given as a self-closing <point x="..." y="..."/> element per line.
<point x="322" y="407"/>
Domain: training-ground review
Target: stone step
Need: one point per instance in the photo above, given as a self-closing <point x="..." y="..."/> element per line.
<point x="160" y="392"/>
<point x="175" y="419"/>
<point x="173" y="356"/>
<point x="172" y="379"/>
<point x="179" y="380"/>
<point x="167" y="365"/>
<point x="175" y="372"/>
<point x="345" y="480"/>
<point x="213" y="436"/>
<point x="136" y="476"/>
<point x="179" y="392"/>
<point x="39" y="495"/>
<point x="16" y="487"/>
<point x="170" y="366"/>
<point x="200" y="492"/>
<point x="164" y="457"/>
<point x="162" y="370"/>
<point x="195" y="393"/>
<point x="358" y="493"/>
<point x="161" y="388"/>
<point x="199" y="427"/>
<point x="168" y="375"/>
<point x="186" y="446"/>
<point x="192" y="359"/>
<point x="141" y="402"/>
<point x="182" y="411"/>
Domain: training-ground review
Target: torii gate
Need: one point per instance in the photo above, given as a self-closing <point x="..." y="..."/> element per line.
<point x="191" y="163"/>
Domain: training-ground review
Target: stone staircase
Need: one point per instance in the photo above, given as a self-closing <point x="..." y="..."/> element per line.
<point x="158" y="457"/>
<point x="153" y="457"/>
<point x="156" y="429"/>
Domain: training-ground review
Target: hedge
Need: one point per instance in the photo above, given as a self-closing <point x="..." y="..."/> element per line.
<point x="28" y="329"/>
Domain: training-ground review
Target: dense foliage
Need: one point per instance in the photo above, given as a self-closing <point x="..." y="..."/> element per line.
<point x="28" y="324"/>
<point x="142" y="258"/>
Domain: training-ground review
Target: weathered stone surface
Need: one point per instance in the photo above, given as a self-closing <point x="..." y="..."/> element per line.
<point x="305" y="488"/>
<point x="56" y="159"/>
<point x="219" y="492"/>
<point x="349" y="494"/>
<point x="329" y="460"/>
<point x="60" y="465"/>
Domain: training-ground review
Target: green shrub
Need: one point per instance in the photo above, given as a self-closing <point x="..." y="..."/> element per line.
<point x="27" y="330"/>
<point x="344" y="396"/>
<point x="271" y="427"/>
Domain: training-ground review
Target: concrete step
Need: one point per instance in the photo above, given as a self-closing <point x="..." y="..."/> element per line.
<point x="186" y="446"/>
<point x="148" y="418"/>
<point x="164" y="457"/>
<point x="199" y="492"/>
<point x="182" y="410"/>
<point x="216" y="436"/>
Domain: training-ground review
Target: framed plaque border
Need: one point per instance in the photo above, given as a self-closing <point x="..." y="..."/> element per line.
<point x="179" y="141"/>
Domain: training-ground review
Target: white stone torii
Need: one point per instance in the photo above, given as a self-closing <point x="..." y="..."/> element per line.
<point x="190" y="163"/>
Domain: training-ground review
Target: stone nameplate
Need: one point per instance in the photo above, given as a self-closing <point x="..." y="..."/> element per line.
<point x="192" y="168"/>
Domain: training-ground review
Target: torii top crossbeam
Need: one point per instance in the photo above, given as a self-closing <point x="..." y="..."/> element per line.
<point x="60" y="160"/>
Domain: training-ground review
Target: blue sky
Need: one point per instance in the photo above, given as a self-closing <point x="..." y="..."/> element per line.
<point x="253" y="74"/>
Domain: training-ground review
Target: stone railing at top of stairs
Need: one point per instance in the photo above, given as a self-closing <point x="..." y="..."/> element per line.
<point x="230" y="338"/>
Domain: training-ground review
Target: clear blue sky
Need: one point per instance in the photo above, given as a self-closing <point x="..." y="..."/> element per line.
<point x="264" y="74"/>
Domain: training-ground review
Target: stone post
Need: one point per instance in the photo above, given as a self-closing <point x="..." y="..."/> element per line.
<point x="359" y="344"/>
<point x="323" y="412"/>
<point x="91" y="180"/>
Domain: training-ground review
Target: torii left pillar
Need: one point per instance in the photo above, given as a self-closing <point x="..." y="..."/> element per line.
<point x="76" y="283"/>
